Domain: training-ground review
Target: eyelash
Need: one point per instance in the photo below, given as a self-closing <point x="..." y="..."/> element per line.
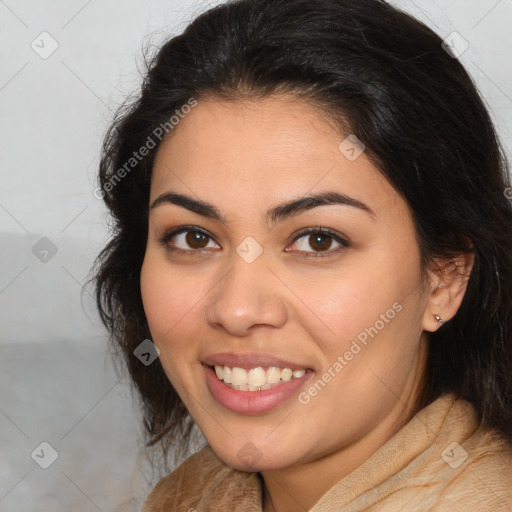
<point x="344" y="244"/>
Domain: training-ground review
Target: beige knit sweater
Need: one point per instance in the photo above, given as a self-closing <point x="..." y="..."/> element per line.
<point x="439" y="461"/>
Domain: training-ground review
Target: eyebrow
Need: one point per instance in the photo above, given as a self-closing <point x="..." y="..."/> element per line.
<point x="274" y="215"/>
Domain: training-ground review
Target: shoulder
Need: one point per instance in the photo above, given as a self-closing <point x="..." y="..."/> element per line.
<point x="471" y="466"/>
<point x="479" y="473"/>
<point x="203" y="482"/>
<point x="441" y="460"/>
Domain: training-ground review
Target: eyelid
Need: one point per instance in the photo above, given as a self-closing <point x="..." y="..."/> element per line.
<point x="168" y="234"/>
<point x="320" y="229"/>
<point x="338" y="237"/>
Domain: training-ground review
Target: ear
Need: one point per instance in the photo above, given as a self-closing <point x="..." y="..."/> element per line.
<point x="448" y="283"/>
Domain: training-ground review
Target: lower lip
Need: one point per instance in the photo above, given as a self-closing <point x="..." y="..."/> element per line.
<point x="252" y="402"/>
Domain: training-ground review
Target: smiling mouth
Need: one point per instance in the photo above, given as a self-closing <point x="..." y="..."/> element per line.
<point x="258" y="378"/>
<point x="254" y="389"/>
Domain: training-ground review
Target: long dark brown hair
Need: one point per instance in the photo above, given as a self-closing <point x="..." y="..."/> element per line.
<point x="380" y="74"/>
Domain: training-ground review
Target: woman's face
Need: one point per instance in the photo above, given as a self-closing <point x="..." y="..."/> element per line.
<point x="251" y="283"/>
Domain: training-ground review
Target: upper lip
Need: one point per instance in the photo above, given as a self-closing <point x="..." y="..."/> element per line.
<point x="250" y="361"/>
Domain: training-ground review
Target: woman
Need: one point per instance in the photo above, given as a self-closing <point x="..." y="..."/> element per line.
<point x="312" y="262"/>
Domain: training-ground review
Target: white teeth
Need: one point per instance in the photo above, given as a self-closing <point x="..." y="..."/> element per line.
<point x="273" y="375"/>
<point x="256" y="378"/>
<point x="238" y="377"/>
<point x="286" y="374"/>
<point x="226" y="376"/>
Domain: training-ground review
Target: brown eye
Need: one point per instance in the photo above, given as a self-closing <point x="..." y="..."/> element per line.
<point x="187" y="240"/>
<point x="320" y="242"/>
<point x="196" y="240"/>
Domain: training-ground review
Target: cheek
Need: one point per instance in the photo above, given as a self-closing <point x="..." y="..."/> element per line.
<point x="167" y="298"/>
<point x="367" y="314"/>
<point x="169" y="301"/>
<point x="339" y="304"/>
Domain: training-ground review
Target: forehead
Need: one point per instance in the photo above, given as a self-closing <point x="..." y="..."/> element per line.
<point x="264" y="151"/>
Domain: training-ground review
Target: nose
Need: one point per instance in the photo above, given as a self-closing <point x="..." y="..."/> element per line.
<point x="247" y="297"/>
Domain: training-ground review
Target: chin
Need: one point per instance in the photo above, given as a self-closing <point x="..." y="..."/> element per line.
<point x="247" y="456"/>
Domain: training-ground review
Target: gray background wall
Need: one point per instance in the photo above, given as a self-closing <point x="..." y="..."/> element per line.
<point x="57" y="381"/>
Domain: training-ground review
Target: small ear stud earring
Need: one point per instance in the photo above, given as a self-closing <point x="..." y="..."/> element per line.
<point x="439" y="319"/>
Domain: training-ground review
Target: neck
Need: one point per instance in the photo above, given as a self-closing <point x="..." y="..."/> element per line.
<point x="300" y="486"/>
